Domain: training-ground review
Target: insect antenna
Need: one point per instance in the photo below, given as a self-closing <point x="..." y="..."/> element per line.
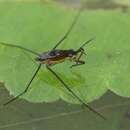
<point x="69" y="30"/>
<point x="85" y="43"/>
<point x="20" y="47"/>
<point x="74" y="94"/>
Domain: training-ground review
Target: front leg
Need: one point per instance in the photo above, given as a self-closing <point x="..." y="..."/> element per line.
<point x="80" y="62"/>
<point x="77" y="60"/>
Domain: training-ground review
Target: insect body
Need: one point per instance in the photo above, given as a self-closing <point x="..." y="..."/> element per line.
<point x="56" y="56"/>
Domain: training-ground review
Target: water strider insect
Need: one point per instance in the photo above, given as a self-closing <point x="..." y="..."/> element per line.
<point x="56" y="56"/>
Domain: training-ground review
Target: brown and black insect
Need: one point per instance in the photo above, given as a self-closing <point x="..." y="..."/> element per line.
<point x="56" y="56"/>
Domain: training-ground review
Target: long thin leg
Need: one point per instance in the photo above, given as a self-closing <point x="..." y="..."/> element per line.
<point x="75" y="95"/>
<point x="20" y="47"/>
<point x="69" y="30"/>
<point x="28" y="85"/>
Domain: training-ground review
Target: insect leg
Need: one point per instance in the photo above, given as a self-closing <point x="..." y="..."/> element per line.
<point x="75" y="95"/>
<point x="78" y="61"/>
<point x="27" y="87"/>
<point x="69" y="30"/>
<point x="20" y="47"/>
<point x="81" y="50"/>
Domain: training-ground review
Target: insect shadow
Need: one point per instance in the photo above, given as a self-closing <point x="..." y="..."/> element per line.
<point x="56" y="56"/>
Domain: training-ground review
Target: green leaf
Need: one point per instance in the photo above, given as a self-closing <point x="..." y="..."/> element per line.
<point x="39" y="26"/>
